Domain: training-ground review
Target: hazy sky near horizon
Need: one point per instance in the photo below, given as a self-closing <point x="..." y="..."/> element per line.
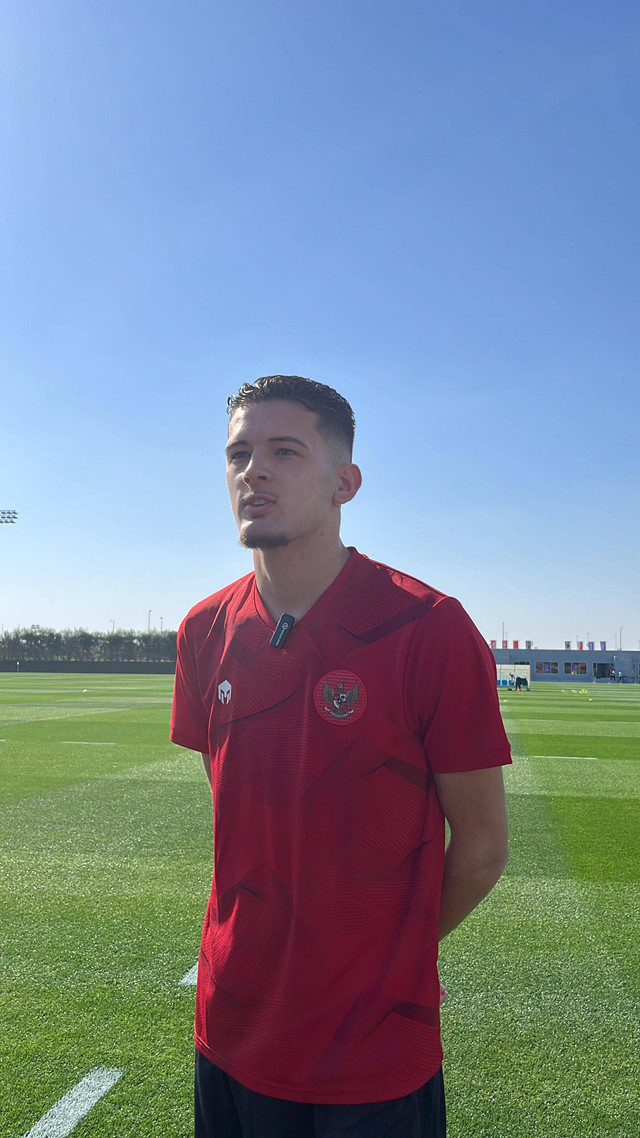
<point x="432" y="207"/>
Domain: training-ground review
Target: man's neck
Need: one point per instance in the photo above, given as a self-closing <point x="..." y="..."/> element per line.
<point x="291" y="579"/>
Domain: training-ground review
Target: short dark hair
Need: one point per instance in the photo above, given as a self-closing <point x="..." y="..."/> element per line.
<point x="336" y="420"/>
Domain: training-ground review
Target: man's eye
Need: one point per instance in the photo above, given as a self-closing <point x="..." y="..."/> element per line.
<point x="238" y="454"/>
<point x="285" y="450"/>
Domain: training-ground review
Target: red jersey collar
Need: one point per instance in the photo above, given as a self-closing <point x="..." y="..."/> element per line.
<point x="327" y="603"/>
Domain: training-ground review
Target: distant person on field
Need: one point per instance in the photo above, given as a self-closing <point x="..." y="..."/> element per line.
<point x="322" y="691"/>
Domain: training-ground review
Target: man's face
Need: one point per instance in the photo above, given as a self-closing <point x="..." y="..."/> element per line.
<point x="281" y="474"/>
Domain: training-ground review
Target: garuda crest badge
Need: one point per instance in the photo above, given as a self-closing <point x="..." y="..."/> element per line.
<point x="339" y="697"/>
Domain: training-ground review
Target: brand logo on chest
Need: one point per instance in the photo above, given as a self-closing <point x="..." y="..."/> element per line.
<point x="224" y="691"/>
<point x="340" y="697"/>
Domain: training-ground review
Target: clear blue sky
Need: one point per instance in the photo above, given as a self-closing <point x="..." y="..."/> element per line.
<point x="432" y="207"/>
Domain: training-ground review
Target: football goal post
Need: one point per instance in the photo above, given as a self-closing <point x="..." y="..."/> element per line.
<point x="509" y="673"/>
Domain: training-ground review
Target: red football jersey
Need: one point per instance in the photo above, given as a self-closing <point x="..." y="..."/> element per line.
<point x="317" y="977"/>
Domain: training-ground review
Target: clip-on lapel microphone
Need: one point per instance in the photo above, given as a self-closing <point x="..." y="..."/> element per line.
<point x="282" y="630"/>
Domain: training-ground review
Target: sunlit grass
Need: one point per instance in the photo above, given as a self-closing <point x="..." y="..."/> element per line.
<point x="105" y="871"/>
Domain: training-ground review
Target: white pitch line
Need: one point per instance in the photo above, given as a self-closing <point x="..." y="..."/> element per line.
<point x="586" y="758"/>
<point x="191" y="977"/>
<point x="67" y="1112"/>
<point x="82" y="743"/>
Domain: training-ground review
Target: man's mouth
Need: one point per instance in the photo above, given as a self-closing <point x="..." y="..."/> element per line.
<point x="257" y="504"/>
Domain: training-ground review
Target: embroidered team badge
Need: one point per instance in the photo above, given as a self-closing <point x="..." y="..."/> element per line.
<point x="339" y="697"/>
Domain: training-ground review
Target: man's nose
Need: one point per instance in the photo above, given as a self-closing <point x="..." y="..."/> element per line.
<point x="255" y="471"/>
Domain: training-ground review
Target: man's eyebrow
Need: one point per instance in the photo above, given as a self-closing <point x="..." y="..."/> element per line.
<point x="289" y="439"/>
<point x="235" y="443"/>
<point x="277" y="439"/>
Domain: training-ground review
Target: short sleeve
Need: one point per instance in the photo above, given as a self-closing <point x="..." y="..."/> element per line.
<point x="452" y="695"/>
<point x="189" y="719"/>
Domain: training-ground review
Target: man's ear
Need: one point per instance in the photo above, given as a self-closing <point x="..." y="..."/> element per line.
<point x="350" y="482"/>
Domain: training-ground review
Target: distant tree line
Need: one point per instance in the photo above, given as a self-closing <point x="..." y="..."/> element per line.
<point x="77" y="644"/>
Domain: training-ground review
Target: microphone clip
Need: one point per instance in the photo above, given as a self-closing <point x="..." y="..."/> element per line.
<point x="282" y="630"/>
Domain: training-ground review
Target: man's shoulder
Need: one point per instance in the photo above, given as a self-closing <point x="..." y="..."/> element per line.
<point x="201" y="615"/>
<point x="397" y="580"/>
<point x="385" y="584"/>
<point x="382" y="598"/>
<point x="442" y="618"/>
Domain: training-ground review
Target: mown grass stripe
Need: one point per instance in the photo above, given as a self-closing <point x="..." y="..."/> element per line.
<point x="72" y="1107"/>
<point x="581" y="758"/>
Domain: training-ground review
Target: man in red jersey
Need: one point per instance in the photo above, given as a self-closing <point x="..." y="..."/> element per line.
<point x="323" y="693"/>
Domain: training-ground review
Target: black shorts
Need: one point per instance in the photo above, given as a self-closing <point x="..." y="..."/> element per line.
<point x="225" y="1108"/>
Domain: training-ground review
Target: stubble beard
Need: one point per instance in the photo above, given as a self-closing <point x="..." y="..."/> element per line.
<point x="263" y="541"/>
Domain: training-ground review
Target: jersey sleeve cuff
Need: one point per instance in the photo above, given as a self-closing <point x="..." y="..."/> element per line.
<point x="190" y="744"/>
<point x="475" y="762"/>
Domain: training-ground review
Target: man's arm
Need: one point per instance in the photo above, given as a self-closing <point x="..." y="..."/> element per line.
<point x="474" y="806"/>
<point x="206" y="759"/>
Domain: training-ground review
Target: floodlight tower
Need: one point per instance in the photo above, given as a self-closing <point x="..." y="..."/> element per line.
<point x="8" y="517"/>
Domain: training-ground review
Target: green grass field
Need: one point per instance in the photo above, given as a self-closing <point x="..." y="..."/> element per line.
<point x="105" y="830"/>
